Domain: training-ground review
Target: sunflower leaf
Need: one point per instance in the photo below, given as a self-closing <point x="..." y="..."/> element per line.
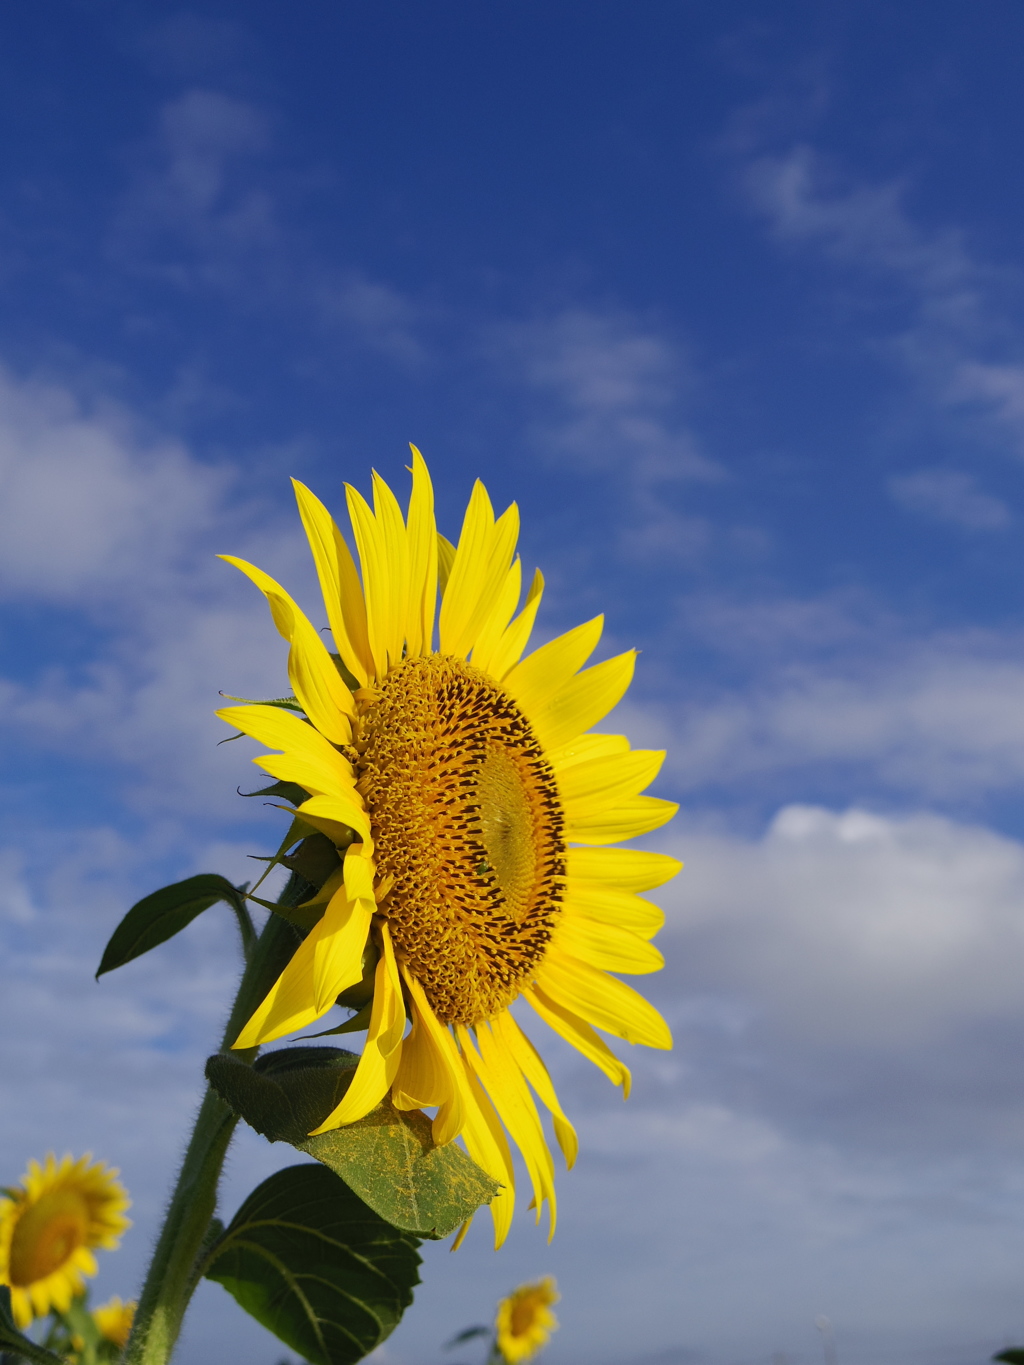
<point x="389" y="1158"/>
<point x="164" y="913"/>
<point x="12" y="1341"/>
<point x="310" y="1262"/>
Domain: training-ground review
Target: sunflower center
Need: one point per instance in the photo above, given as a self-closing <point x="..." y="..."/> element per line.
<point x="467" y="821"/>
<point x="524" y="1314"/>
<point x="47" y="1235"/>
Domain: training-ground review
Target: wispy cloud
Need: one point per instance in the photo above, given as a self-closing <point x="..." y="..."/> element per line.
<point x="951" y="496"/>
<point x="207" y="208"/>
<point x="958" y="335"/>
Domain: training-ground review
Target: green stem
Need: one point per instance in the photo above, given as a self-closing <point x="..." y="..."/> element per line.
<point x="171" y="1279"/>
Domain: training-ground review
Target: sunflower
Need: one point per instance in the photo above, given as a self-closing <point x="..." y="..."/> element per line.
<point x="114" y="1320"/>
<point x="524" y="1321"/>
<point x="48" y="1225"/>
<point x="472" y="808"/>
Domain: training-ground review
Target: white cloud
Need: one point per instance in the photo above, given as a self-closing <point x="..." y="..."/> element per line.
<point x="101" y="517"/>
<point x="839" y="690"/>
<point x="856" y="929"/>
<point x="950" y="496"/>
<point x="91" y="507"/>
<point x="616" y="387"/>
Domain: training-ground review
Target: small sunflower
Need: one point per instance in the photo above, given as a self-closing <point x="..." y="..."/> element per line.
<point x="524" y="1322"/>
<point x="48" y="1225"/>
<point x="114" y="1320"/>
<point x="472" y="807"/>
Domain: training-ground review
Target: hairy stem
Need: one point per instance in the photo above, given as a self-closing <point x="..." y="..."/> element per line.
<point x="171" y="1279"/>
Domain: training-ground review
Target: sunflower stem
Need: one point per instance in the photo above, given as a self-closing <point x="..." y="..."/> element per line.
<point x="171" y="1278"/>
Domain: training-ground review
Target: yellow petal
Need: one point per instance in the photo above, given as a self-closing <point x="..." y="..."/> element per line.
<point x="316" y="682"/>
<point x="592" y="786"/>
<point x="289" y="1004"/>
<point x="636" y="815"/>
<point x="602" y="1000"/>
<point x="609" y="947"/>
<point x="373" y="561"/>
<point x="612" y="906"/>
<point x="511" y="645"/>
<point x="319" y="811"/>
<point x="579" y="1033"/>
<point x="628" y="869"/>
<point x="382" y="1052"/>
<point x="583" y="701"/>
<point x="538" y="678"/>
<point x="430" y="1067"/>
<point x="445" y="560"/>
<point x="482" y="560"/>
<point x="338" y="955"/>
<point x="396" y="552"/>
<point x="504" y="1084"/>
<point x="280" y="729"/>
<point x="422" y="559"/>
<point x="494" y="627"/>
<point x="339" y="584"/>
<point x="487" y="1144"/>
<point x="528" y="1060"/>
<point x="585" y="747"/>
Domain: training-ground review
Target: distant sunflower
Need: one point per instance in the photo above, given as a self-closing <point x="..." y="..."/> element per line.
<point x="48" y="1226"/>
<point x="114" y="1320"/>
<point x="524" y="1322"/>
<point x="472" y="808"/>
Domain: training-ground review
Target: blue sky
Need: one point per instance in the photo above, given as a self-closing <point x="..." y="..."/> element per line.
<point x="730" y="299"/>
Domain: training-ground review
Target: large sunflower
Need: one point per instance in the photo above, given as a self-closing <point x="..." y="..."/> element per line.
<point x="472" y="808"/>
<point x="48" y="1225"/>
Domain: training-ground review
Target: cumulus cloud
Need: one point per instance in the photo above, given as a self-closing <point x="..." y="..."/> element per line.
<point x="120" y="527"/>
<point x="856" y="928"/>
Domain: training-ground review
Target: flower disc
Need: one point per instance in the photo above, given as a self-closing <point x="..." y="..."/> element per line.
<point x="467" y="820"/>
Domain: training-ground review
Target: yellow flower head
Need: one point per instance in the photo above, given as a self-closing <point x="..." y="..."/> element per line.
<point x="525" y="1321"/>
<point x="47" y="1227"/>
<point x="114" y="1320"/>
<point x="472" y="806"/>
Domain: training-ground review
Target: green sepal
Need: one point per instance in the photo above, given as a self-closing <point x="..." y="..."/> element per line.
<point x="310" y="1262"/>
<point x="289" y="703"/>
<point x="14" y="1343"/>
<point x="287" y="791"/>
<point x="357" y="1024"/>
<point x="314" y="860"/>
<point x="389" y="1158"/>
<point x="159" y="916"/>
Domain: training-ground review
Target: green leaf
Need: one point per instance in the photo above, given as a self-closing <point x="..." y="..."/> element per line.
<point x="158" y="917"/>
<point x="307" y="1259"/>
<point x="12" y="1341"/>
<point x="1013" y="1354"/>
<point x="389" y="1158"/>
